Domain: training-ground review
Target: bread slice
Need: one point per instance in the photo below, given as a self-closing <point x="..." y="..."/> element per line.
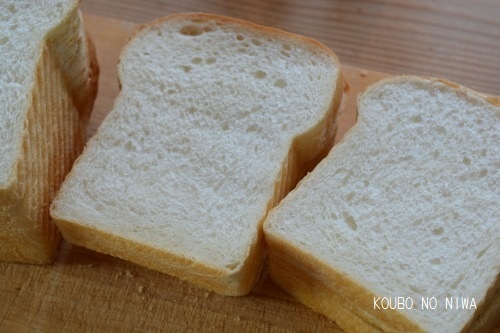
<point x="215" y="119"/>
<point x="407" y="205"/>
<point x="48" y="80"/>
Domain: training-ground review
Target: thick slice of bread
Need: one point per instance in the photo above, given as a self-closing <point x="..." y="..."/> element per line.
<point x="213" y="123"/>
<point x="48" y="80"/>
<point x="407" y="205"/>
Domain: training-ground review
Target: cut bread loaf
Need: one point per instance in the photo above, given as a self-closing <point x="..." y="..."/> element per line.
<point x="215" y="119"/>
<point x="48" y="80"/>
<point x="407" y="205"/>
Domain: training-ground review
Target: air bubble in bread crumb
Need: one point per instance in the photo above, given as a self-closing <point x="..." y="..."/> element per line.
<point x="435" y="261"/>
<point x="191" y="30"/>
<point x="280" y="83"/>
<point x="441" y="130"/>
<point x="417" y="119"/>
<point x="416" y="289"/>
<point x="483" y="251"/>
<point x="404" y="266"/>
<point x="259" y="74"/>
<point x="438" y="231"/>
<point x="483" y="173"/>
<point x="253" y="128"/>
<point x="350" y="221"/>
<point x="256" y="42"/>
<point x="455" y="284"/>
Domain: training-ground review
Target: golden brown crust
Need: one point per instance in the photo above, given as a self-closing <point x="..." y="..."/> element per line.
<point x="488" y="312"/>
<point x="231" y="283"/>
<point x="493" y="100"/>
<point x="54" y="136"/>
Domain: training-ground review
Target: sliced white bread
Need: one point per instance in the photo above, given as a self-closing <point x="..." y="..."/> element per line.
<point x="212" y="126"/>
<point x="407" y="205"/>
<point x="48" y="80"/>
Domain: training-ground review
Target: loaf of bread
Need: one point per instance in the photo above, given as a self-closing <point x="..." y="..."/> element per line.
<point x="48" y="80"/>
<point x="398" y="228"/>
<point x="214" y="123"/>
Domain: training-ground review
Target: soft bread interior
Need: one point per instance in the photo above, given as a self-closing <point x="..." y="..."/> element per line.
<point x="213" y="123"/>
<point x="406" y="205"/>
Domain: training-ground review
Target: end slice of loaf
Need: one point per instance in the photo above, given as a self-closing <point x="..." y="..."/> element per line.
<point x="48" y="80"/>
<point x="407" y="205"/>
<point x="213" y="123"/>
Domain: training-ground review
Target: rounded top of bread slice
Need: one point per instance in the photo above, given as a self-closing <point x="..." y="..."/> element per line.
<point x="408" y="203"/>
<point x="188" y="159"/>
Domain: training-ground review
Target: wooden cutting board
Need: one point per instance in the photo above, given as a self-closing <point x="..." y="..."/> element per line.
<point x="86" y="291"/>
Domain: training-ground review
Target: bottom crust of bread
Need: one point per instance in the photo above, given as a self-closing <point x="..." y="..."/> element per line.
<point x="488" y="314"/>
<point x="339" y="298"/>
<point x="329" y="292"/>
<point x="230" y="283"/>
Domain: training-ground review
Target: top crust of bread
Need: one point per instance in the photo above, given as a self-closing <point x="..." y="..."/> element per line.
<point x="406" y="205"/>
<point x="238" y="110"/>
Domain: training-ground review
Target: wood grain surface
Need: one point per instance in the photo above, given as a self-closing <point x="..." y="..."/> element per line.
<point x="458" y="40"/>
<point x="85" y="291"/>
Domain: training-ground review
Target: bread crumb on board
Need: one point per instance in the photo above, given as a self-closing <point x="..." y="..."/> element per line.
<point x="363" y="73"/>
<point x="127" y="274"/>
<point x="140" y="289"/>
